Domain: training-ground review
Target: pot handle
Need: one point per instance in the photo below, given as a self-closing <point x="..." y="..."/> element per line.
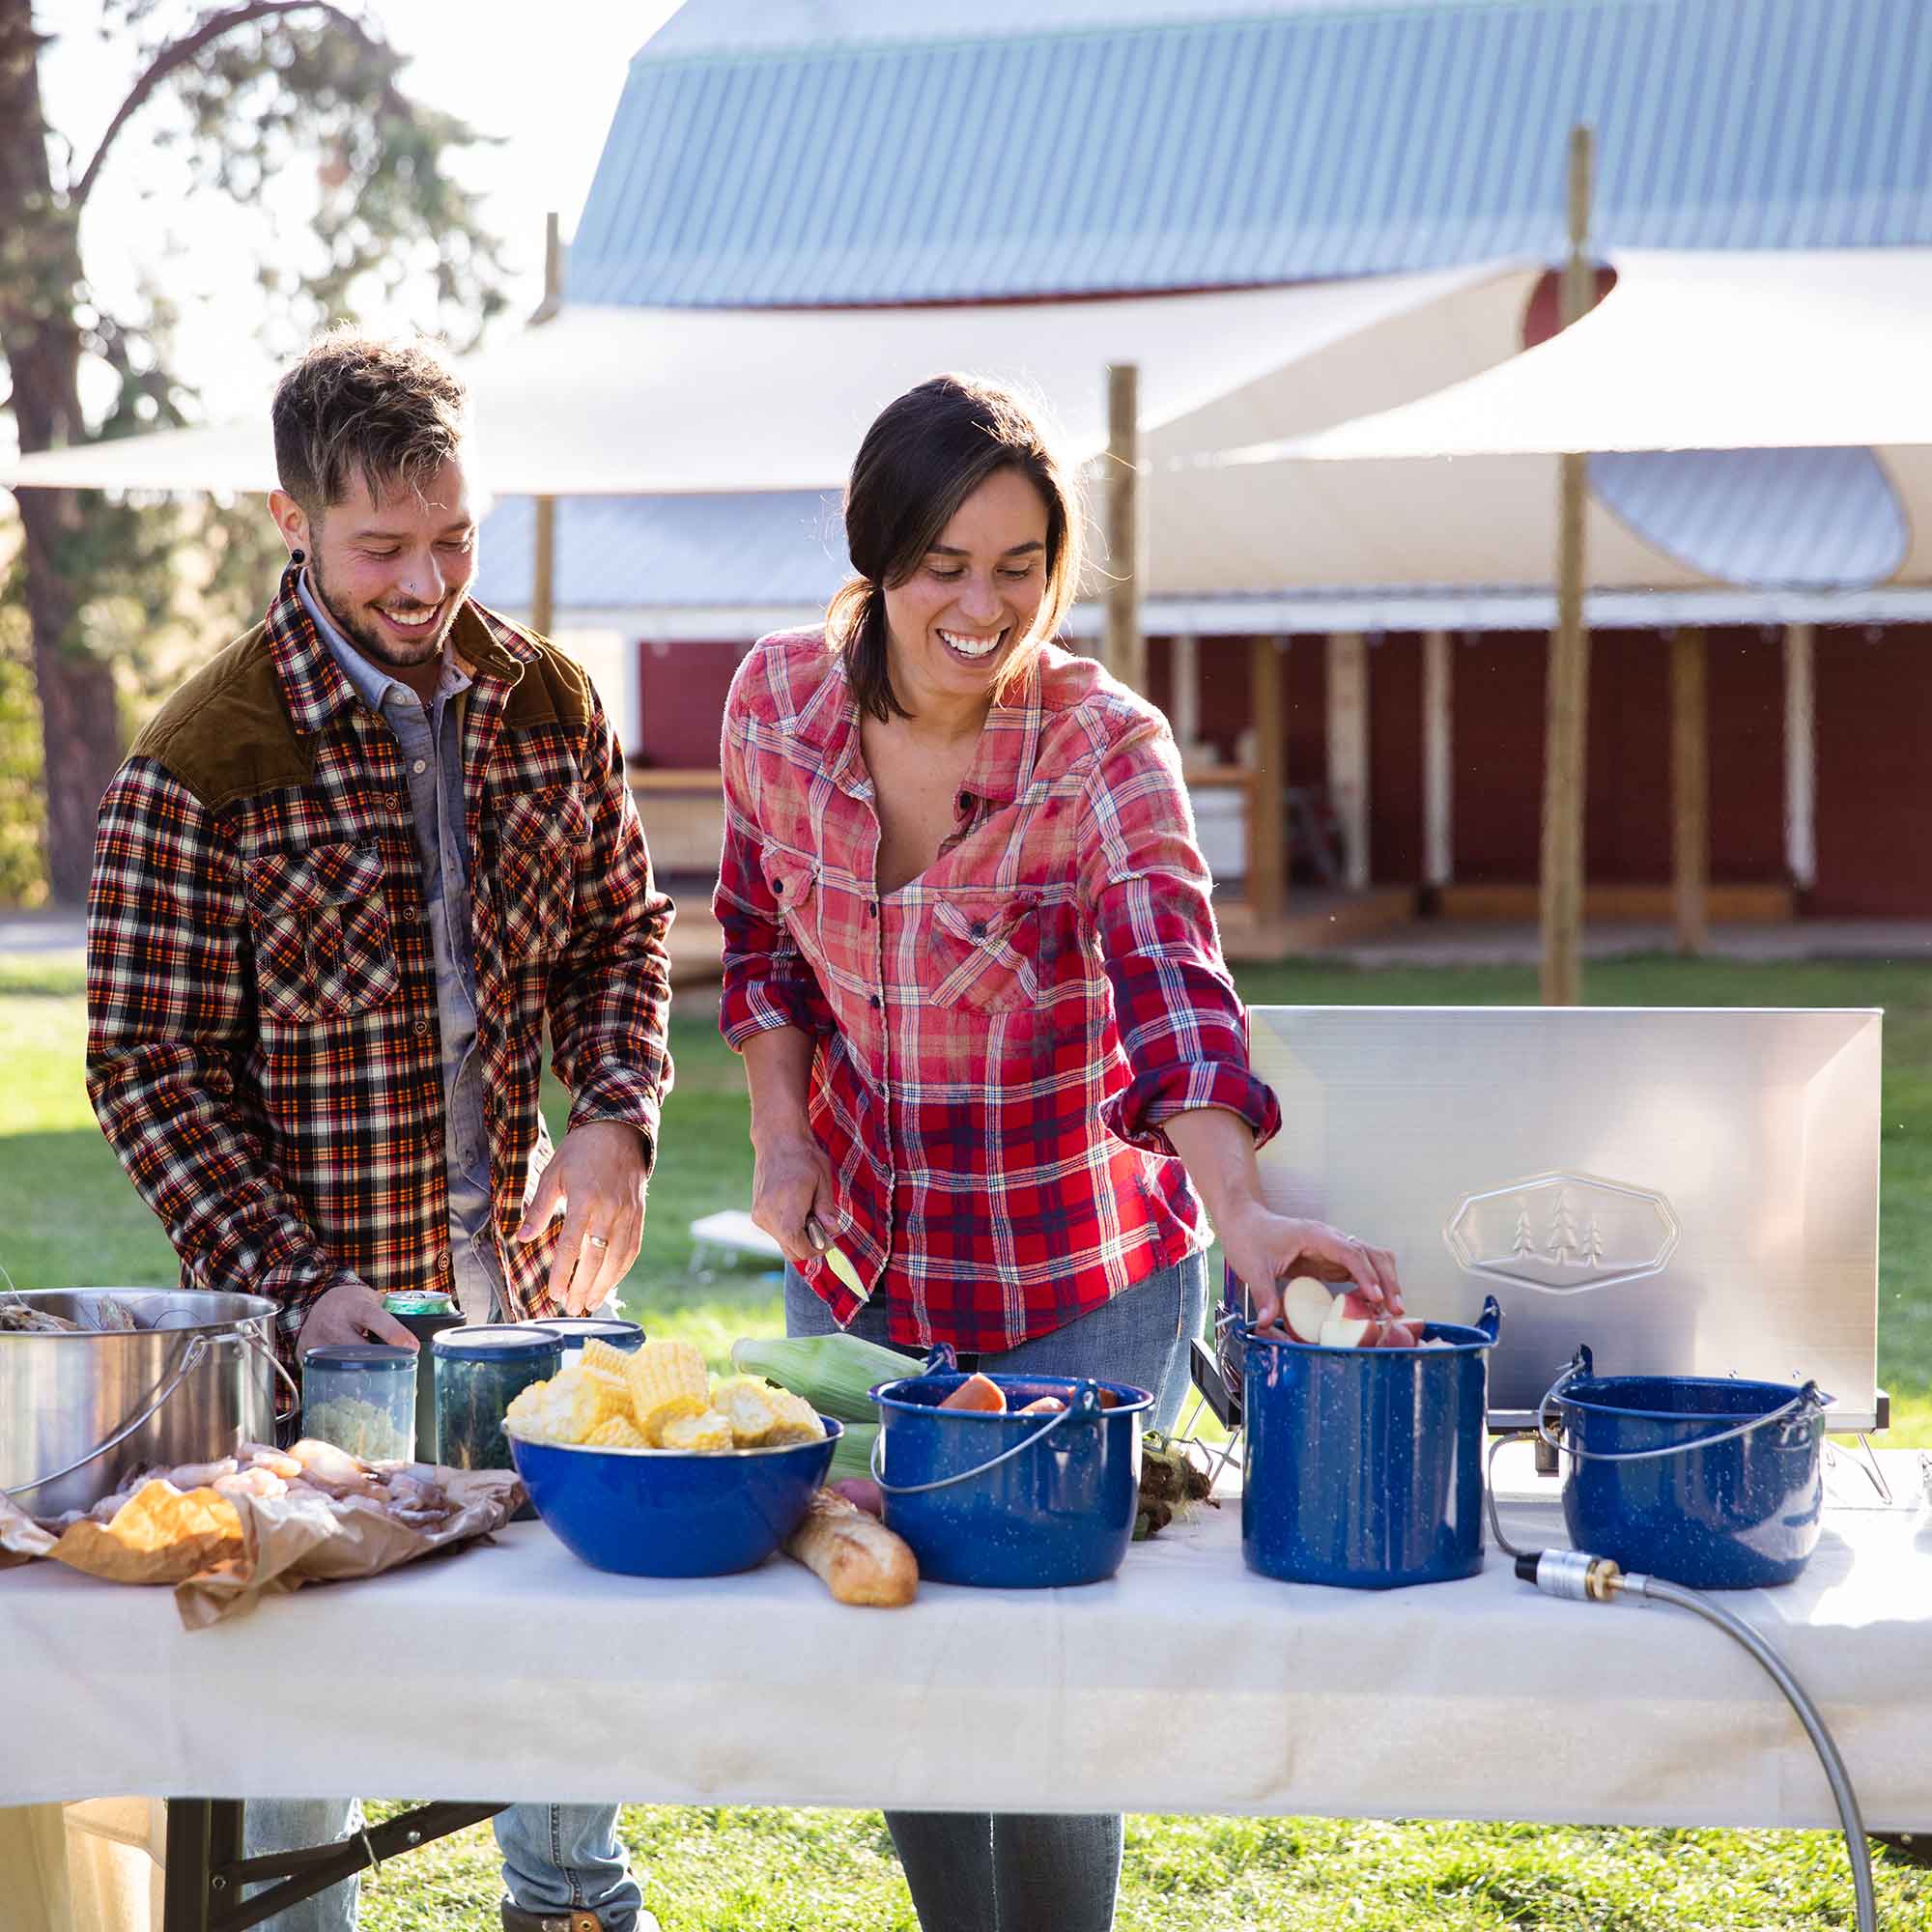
<point x="1490" y="1321"/>
<point x="941" y="1359"/>
<point x="1810" y="1395"/>
<point x="190" y="1360"/>
<point x="1086" y="1405"/>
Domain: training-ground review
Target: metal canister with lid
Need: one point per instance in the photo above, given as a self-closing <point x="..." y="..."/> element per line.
<point x="479" y="1371"/>
<point x="361" y="1396"/>
<point x="426" y="1313"/>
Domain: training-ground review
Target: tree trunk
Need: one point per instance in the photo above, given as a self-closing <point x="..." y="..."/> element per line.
<point x="79" y="726"/>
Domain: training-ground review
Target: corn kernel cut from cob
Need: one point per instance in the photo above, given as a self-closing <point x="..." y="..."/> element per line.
<point x="660" y="1371"/>
<point x="798" y="1421"/>
<point x="752" y="1404"/>
<point x="615" y="1432"/>
<point x="710" y="1431"/>
<point x="654" y="1421"/>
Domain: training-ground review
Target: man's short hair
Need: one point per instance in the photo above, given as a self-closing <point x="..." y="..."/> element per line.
<point x="395" y="411"/>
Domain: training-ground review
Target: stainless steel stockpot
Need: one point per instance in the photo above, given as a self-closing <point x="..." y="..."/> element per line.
<point x="81" y="1412"/>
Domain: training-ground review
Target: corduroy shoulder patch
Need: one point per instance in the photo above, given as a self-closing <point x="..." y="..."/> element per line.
<point x="226" y="732"/>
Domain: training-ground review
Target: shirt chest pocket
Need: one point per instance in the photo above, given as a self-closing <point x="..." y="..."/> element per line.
<point x="324" y="947"/>
<point x="984" y="952"/>
<point x="794" y="890"/>
<point x="539" y="838"/>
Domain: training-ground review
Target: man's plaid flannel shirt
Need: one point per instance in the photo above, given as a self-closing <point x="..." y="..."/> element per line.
<point x="262" y="1042"/>
<point x="999" y="1041"/>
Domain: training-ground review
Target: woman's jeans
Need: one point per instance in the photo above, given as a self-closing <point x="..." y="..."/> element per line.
<point x="979" y="1871"/>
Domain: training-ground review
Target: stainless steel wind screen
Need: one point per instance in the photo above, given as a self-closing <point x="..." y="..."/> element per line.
<point x="1689" y="1191"/>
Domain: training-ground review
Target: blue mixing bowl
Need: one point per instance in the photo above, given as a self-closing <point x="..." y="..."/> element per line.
<point x="669" y="1512"/>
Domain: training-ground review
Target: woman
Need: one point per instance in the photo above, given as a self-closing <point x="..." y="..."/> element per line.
<point x="969" y="959"/>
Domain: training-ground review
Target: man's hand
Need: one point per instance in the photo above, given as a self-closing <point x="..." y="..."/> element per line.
<point x="596" y="1182"/>
<point x="1266" y="1249"/>
<point x="791" y="1178"/>
<point x="349" y="1312"/>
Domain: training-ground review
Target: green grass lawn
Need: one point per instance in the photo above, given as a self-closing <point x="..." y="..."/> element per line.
<point x="67" y="1216"/>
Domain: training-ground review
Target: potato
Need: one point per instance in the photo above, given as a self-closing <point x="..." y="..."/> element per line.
<point x="1305" y="1303"/>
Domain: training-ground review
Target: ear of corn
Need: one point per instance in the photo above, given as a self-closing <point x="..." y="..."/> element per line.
<point x="707" y="1432"/>
<point x="833" y="1373"/>
<point x="600" y="1359"/>
<point x="662" y="1370"/>
<point x="652" y="1422"/>
<point x="852" y="1453"/>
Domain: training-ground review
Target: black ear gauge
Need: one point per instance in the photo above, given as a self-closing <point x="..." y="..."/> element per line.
<point x="298" y="556"/>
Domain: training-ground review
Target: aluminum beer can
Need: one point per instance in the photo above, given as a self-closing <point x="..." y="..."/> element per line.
<point x="428" y="1302"/>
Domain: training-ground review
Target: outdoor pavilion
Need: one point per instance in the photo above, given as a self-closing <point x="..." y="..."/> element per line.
<point x="1252" y="525"/>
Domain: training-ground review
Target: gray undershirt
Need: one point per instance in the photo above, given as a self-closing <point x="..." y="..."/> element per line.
<point x="431" y="742"/>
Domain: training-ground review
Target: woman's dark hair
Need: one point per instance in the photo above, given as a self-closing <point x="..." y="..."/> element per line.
<point x="922" y="457"/>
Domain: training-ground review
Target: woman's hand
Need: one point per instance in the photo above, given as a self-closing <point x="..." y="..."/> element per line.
<point x="791" y="1178"/>
<point x="1266" y="1250"/>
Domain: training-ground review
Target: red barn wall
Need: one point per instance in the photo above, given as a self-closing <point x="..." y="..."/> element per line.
<point x="1874" y="774"/>
<point x="681" y="693"/>
<point x="1395" y="760"/>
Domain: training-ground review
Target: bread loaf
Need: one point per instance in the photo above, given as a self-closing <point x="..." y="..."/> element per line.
<point x="856" y="1556"/>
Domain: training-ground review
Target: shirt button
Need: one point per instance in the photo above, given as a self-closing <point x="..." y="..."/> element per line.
<point x="872" y="908"/>
<point x="979" y="928"/>
<point x="422" y="1029"/>
<point x="877" y="1002"/>
<point x="420" y="766"/>
<point x="443" y="1262"/>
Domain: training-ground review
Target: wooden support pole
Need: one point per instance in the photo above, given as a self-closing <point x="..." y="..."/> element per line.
<point x="1566" y="726"/>
<point x="1801" y="755"/>
<point x="1690" y="788"/>
<point x="1438" y="739"/>
<point x="1267" y="814"/>
<point x="1125" y="648"/>
<point x="1348" y="752"/>
<point x="543" y="560"/>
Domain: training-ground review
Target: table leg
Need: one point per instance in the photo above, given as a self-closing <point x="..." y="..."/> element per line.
<point x="207" y="1872"/>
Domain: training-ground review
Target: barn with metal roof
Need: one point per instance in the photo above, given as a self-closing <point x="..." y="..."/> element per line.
<point x="847" y="153"/>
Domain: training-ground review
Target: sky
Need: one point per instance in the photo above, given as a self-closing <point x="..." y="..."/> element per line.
<point x="551" y="93"/>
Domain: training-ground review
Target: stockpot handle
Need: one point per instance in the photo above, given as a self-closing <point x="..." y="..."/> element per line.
<point x="192" y="1359"/>
<point x="1809" y="1396"/>
<point x="1085" y="1405"/>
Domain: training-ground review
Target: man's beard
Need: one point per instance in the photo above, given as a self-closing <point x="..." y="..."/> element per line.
<point x="371" y="642"/>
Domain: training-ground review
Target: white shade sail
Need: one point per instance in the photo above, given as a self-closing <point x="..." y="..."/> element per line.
<point x="1774" y="354"/>
<point x="636" y="401"/>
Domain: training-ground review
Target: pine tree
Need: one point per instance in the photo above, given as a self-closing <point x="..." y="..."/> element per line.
<point x="264" y="84"/>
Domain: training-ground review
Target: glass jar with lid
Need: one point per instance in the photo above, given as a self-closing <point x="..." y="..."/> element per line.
<point x="361" y="1396"/>
<point x="478" y="1371"/>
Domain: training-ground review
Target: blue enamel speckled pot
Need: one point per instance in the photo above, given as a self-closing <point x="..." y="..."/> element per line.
<point x="1365" y="1465"/>
<point x="1735" y="1515"/>
<point x="1009" y="1501"/>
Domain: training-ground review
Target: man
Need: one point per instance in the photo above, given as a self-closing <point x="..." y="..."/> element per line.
<point x="340" y="884"/>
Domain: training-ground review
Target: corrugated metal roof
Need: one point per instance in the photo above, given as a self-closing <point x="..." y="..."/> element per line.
<point x="778" y="547"/>
<point x="1801" y="519"/>
<point x="1263" y="148"/>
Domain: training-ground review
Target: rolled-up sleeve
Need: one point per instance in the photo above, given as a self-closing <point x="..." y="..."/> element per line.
<point x="1181" y="1023"/>
<point x="768" y="983"/>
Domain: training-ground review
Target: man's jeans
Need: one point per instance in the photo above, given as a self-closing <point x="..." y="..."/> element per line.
<point x="979" y="1871"/>
<point x="556" y="1857"/>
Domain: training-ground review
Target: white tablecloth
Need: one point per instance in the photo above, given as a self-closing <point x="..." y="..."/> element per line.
<point x="1185" y="1684"/>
